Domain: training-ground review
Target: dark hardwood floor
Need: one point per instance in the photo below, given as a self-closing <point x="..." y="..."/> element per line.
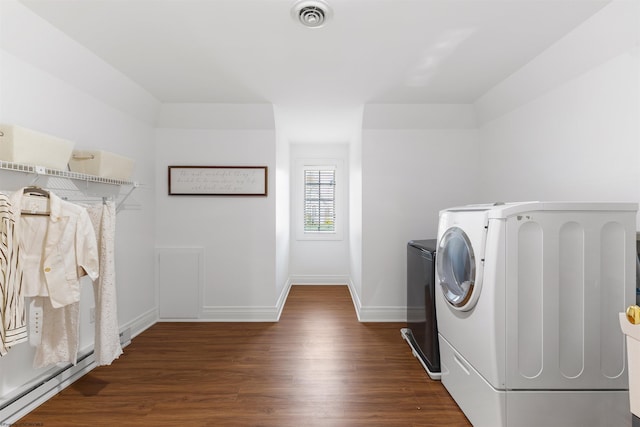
<point x="317" y="366"/>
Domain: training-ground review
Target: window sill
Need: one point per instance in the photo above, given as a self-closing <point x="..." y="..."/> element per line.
<point x="319" y="236"/>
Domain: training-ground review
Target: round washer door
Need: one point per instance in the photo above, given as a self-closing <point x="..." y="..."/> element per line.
<point x="456" y="269"/>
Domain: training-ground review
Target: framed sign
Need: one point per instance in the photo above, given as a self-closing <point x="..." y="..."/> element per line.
<point x="218" y="180"/>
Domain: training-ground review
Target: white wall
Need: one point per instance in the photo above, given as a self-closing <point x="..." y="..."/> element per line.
<point x="41" y="88"/>
<point x="355" y="218"/>
<point x="321" y="260"/>
<point x="408" y="175"/>
<point x="283" y="206"/>
<point x="325" y="131"/>
<point x="238" y="234"/>
<point x="565" y="126"/>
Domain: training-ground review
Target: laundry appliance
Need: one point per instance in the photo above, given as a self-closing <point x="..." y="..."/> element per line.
<point x="528" y="311"/>
<point x="421" y="332"/>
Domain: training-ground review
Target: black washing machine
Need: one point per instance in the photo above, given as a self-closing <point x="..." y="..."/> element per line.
<point x="421" y="332"/>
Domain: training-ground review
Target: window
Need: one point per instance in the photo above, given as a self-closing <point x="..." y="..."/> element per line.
<point x="318" y="211"/>
<point x="319" y="200"/>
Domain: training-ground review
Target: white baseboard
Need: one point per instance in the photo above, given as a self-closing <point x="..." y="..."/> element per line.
<point x="241" y="313"/>
<point x="382" y="314"/>
<point x="376" y="313"/>
<point x="319" y="280"/>
<point x="283" y="297"/>
<point x="244" y="314"/>
<point x="235" y="314"/>
<point x="141" y="323"/>
<point x="357" y="305"/>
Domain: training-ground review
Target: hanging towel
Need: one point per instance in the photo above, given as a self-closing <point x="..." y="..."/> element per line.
<point x="107" y="334"/>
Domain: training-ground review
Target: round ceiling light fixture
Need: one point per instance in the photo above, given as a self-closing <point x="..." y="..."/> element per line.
<point x="311" y="13"/>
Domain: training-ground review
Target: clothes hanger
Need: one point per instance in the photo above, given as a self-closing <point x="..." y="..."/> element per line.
<point x="36" y="191"/>
<point x="39" y="192"/>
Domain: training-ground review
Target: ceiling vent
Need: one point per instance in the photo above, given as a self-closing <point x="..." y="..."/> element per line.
<point x="311" y="13"/>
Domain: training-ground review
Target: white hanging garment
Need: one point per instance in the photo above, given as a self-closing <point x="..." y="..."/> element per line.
<point x="60" y="328"/>
<point x="57" y="248"/>
<point x="12" y="311"/>
<point x="107" y="334"/>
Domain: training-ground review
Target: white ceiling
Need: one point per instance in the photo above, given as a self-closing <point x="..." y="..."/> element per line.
<point x="371" y="51"/>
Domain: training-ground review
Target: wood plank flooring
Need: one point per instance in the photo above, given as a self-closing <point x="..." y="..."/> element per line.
<point x="317" y="366"/>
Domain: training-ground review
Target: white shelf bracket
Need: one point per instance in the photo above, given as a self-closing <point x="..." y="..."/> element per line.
<point x="38" y="171"/>
<point x="126" y="196"/>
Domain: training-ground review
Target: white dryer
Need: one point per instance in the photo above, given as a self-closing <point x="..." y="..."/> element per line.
<point x="528" y="310"/>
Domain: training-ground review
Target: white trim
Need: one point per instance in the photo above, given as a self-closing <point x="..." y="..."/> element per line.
<point x="283" y="298"/>
<point x="357" y="304"/>
<point x="376" y="313"/>
<point x="234" y="314"/>
<point x="319" y="279"/>
<point x="241" y="313"/>
<point x="382" y="314"/>
<point x="141" y="323"/>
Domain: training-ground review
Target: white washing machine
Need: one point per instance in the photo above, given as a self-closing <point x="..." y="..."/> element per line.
<point x="528" y="311"/>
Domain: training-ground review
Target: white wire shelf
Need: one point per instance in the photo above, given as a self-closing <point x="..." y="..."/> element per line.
<point x="41" y="170"/>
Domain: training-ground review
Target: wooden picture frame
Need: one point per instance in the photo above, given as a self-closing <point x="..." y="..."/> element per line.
<point x="217" y="180"/>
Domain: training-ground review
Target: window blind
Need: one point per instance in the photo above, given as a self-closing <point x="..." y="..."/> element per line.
<point x="319" y="200"/>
